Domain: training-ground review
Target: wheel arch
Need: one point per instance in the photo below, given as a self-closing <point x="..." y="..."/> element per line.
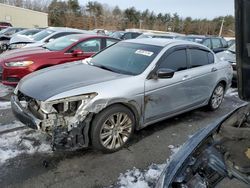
<point x="132" y="105"/>
<point x="223" y="82"/>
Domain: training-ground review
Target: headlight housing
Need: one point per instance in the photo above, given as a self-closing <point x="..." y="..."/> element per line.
<point x="67" y="105"/>
<point x="19" y="64"/>
<point x="18" y="45"/>
<point x="16" y="90"/>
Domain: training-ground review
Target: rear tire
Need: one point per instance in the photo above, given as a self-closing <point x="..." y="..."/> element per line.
<point x="217" y="97"/>
<point x="112" y="128"/>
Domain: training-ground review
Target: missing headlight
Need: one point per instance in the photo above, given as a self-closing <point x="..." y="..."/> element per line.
<point x="68" y="108"/>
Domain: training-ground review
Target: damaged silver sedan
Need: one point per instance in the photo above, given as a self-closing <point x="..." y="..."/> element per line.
<point x="101" y="101"/>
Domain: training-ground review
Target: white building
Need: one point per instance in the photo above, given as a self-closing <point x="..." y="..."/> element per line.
<point x="21" y="17"/>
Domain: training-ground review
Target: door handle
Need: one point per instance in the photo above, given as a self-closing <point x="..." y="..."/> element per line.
<point x="185" y="77"/>
<point x="214" y="69"/>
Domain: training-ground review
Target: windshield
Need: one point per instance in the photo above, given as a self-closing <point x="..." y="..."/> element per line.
<point x="61" y="43"/>
<point x="232" y="48"/>
<point x="117" y="34"/>
<point x="28" y="32"/>
<point x="4" y="30"/>
<point x="41" y="35"/>
<point x="126" y="58"/>
<point x="7" y="31"/>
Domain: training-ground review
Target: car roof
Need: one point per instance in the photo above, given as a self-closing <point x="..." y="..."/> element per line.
<point x="200" y="36"/>
<point x="158" y="34"/>
<point x="161" y="42"/>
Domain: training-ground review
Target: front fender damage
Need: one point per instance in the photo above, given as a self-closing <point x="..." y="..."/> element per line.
<point x="68" y="120"/>
<point x="76" y="138"/>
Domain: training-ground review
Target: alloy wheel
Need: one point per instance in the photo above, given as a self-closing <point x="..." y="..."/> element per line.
<point x="116" y="130"/>
<point x="217" y="96"/>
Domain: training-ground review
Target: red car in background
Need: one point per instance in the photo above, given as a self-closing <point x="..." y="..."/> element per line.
<point x="4" y="25"/>
<point x="15" y="64"/>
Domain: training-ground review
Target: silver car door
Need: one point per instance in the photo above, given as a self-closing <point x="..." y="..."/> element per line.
<point x="203" y="76"/>
<point x="166" y="96"/>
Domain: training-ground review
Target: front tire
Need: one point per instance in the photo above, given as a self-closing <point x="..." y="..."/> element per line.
<point x="217" y="97"/>
<point x="112" y="128"/>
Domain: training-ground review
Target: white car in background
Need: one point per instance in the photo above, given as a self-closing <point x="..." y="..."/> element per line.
<point x="27" y="33"/>
<point x="46" y="36"/>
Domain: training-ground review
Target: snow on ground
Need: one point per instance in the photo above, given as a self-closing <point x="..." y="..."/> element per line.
<point x="5" y="90"/>
<point x="136" y="178"/>
<point x="15" y="124"/>
<point x="5" y="105"/>
<point x="231" y="92"/>
<point x="19" y="142"/>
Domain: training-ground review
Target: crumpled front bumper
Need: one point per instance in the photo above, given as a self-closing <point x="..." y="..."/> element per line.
<point x="23" y="115"/>
<point x="62" y="138"/>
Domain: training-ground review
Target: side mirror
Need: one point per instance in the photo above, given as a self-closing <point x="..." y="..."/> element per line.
<point x="77" y="52"/>
<point x="165" y="73"/>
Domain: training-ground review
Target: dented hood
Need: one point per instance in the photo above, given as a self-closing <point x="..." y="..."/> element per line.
<point x="49" y="82"/>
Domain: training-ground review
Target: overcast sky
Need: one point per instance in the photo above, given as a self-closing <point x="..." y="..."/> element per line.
<point x="194" y="8"/>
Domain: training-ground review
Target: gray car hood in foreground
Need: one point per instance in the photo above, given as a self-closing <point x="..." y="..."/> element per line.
<point x="49" y="82"/>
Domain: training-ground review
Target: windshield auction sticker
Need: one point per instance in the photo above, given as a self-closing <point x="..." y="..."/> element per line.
<point x="144" y="52"/>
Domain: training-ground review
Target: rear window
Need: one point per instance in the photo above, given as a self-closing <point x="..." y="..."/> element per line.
<point x="207" y="43"/>
<point x="224" y="43"/>
<point x="216" y="43"/>
<point x="200" y="57"/>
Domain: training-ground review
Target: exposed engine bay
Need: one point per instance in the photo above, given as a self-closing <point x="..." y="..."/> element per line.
<point x="224" y="153"/>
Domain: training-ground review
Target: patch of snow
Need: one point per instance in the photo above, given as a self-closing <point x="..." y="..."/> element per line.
<point x="5" y="90"/>
<point x="175" y="149"/>
<point x="5" y="105"/>
<point x="15" y="124"/>
<point x="141" y="179"/>
<point x="22" y="142"/>
<point x="231" y="92"/>
<point x="136" y="178"/>
<point x="190" y="136"/>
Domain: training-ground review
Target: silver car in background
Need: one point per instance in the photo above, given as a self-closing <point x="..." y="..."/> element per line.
<point x="130" y="85"/>
<point x="230" y="56"/>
